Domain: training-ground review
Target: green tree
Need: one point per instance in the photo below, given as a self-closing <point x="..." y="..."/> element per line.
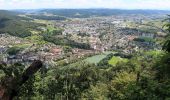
<point x="166" y="45"/>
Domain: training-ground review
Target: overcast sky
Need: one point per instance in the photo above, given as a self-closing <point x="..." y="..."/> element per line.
<point x="118" y="4"/>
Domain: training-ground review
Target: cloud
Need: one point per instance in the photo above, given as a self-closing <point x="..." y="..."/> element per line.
<point x="123" y="4"/>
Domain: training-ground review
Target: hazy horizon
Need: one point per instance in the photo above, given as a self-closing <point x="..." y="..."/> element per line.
<point x="85" y="8"/>
<point x="85" y="4"/>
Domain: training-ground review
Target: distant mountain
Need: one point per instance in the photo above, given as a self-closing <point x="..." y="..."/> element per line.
<point x="83" y="13"/>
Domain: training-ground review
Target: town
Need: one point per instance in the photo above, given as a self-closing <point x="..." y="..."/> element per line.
<point x="118" y="33"/>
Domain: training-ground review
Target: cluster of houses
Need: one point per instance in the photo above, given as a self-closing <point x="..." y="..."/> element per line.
<point x="125" y="41"/>
<point x="112" y="24"/>
<point x="118" y="37"/>
<point x="47" y="53"/>
<point x="7" y="40"/>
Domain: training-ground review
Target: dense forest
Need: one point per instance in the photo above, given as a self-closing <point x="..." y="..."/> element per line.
<point x="146" y="76"/>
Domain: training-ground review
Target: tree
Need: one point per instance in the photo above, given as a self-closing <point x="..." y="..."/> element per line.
<point x="166" y="45"/>
<point x="15" y="77"/>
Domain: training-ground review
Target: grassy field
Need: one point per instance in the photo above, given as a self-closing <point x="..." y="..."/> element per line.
<point x="115" y="60"/>
<point x="97" y="58"/>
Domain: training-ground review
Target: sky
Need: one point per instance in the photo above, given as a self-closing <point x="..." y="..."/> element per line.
<point x="115" y="4"/>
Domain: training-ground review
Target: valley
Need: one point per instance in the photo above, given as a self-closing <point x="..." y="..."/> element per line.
<point x="66" y="40"/>
<point x="86" y="54"/>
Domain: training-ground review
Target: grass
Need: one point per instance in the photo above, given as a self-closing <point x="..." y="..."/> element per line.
<point x="114" y="60"/>
<point x="97" y="58"/>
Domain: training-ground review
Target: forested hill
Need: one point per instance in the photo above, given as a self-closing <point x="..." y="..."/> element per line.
<point x="5" y="13"/>
<point x="83" y="13"/>
<point x="11" y="15"/>
<point x="15" y="25"/>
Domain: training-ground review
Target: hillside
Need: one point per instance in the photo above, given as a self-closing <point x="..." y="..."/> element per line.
<point x="11" y="23"/>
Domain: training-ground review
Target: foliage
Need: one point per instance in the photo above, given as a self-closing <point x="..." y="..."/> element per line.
<point x="67" y="49"/>
<point x="114" y="60"/>
<point x="14" y="50"/>
<point x="141" y="77"/>
<point x="54" y="32"/>
<point x="166" y="45"/>
<point x="65" y="41"/>
<point x="144" y="39"/>
<point x="104" y="62"/>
